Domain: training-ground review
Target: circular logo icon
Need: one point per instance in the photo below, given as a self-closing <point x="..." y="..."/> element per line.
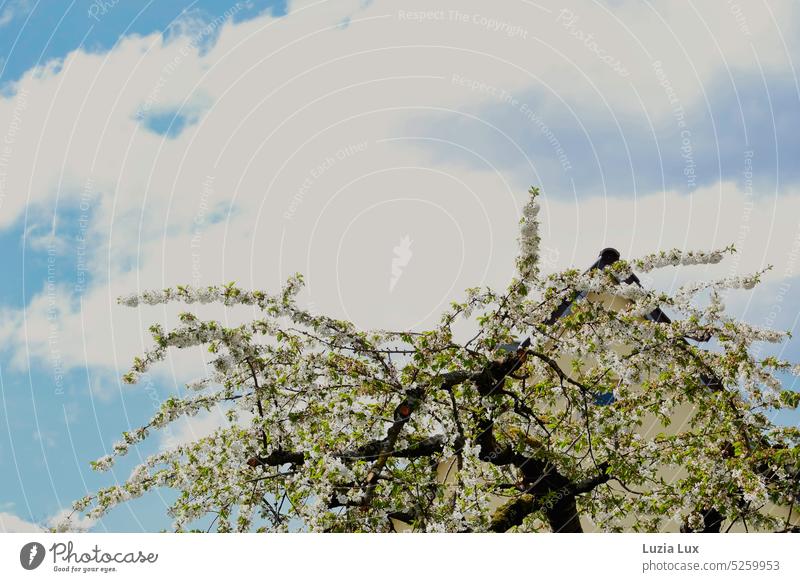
<point x="31" y="555"/>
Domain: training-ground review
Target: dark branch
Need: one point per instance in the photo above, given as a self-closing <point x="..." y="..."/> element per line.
<point x="513" y="512"/>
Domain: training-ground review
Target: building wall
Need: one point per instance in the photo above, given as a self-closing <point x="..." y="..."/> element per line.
<point x="652" y="426"/>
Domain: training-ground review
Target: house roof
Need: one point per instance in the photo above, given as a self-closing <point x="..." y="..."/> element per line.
<point x="607" y="256"/>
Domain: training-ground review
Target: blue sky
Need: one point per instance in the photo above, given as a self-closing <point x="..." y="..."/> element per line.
<point x="149" y="153"/>
<point x="53" y="427"/>
<point x="35" y="32"/>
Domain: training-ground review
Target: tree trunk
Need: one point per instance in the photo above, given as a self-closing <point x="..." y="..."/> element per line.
<point x="563" y="516"/>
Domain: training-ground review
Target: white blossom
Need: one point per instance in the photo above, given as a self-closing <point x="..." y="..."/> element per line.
<point x="528" y="259"/>
<point x="333" y="428"/>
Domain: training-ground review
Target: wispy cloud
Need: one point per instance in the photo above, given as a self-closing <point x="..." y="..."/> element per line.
<point x="14" y="9"/>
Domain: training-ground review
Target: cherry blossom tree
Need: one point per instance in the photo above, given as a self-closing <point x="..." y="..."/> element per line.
<point x="533" y="422"/>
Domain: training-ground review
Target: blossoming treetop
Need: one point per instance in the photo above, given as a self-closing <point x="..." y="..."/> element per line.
<point x="338" y="429"/>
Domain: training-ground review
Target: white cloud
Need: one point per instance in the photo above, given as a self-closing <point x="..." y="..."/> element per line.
<point x="301" y="141"/>
<point x="190" y="429"/>
<point x="10" y="523"/>
<point x="68" y="520"/>
<point x="763" y="230"/>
